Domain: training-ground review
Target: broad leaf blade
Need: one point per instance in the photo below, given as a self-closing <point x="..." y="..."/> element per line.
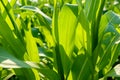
<point x="10" y="39"/>
<point x="81" y="68"/>
<point x="108" y="37"/>
<point x="66" y="34"/>
<point x="66" y="28"/>
<point x="9" y="61"/>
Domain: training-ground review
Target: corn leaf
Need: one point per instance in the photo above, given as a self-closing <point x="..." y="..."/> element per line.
<point x="10" y="39"/>
<point x="9" y="61"/>
<point x="108" y="41"/>
<point x="35" y="9"/>
<point x="31" y="47"/>
<point x="64" y="34"/>
<point x="81" y="68"/>
<point x="83" y="43"/>
<point x="50" y="74"/>
<point x="67" y="28"/>
<point x="93" y="11"/>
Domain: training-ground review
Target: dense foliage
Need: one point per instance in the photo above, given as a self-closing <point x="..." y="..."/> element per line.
<point x="59" y="39"/>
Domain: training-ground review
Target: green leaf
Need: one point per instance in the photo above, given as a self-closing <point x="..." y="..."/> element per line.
<point x="93" y="11"/>
<point x="10" y="39"/>
<point x="66" y="28"/>
<point x="45" y="23"/>
<point x="64" y="33"/>
<point x="48" y="36"/>
<point x="35" y="9"/>
<point x="81" y="68"/>
<point x="109" y="37"/>
<point x="50" y="74"/>
<point x="8" y="16"/>
<point x="83" y="32"/>
<point x="31" y="45"/>
<point x="9" y="61"/>
<point x="23" y="2"/>
<point x="12" y="2"/>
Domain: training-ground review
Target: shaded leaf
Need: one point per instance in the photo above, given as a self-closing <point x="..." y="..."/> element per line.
<point x="108" y="36"/>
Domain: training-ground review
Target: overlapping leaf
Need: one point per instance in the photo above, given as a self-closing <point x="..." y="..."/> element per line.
<point x="66" y="33"/>
<point x="108" y="41"/>
<point x="9" y="61"/>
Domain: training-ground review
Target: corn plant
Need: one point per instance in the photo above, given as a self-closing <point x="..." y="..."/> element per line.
<point x="75" y="40"/>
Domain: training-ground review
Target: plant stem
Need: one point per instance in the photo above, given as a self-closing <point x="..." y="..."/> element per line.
<point x="59" y="63"/>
